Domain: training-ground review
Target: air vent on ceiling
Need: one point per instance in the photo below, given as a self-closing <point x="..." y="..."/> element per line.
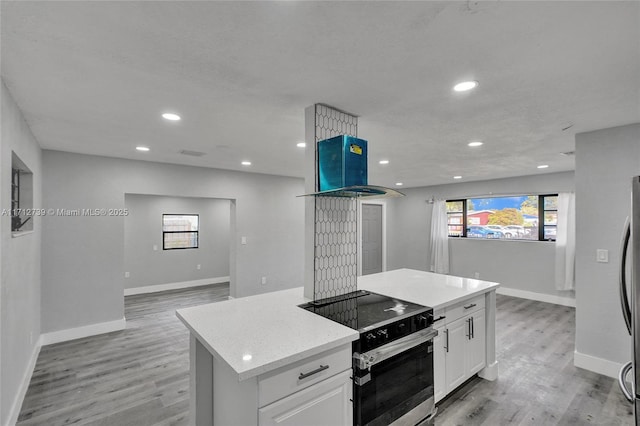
<point x="568" y="153"/>
<point x="192" y="153"/>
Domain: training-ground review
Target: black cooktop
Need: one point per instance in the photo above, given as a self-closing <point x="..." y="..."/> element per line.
<point x="364" y="310"/>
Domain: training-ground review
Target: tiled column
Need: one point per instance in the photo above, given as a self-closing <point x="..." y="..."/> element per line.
<point x="331" y="237"/>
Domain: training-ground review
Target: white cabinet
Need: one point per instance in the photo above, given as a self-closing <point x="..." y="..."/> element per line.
<point x="314" y="391"/>
<point x="476" y="345"/>
<point x="326" y="403"/>
<point x="439" y="365"/>
<point x="455" y="345"/>
<point x="460" y="348"/>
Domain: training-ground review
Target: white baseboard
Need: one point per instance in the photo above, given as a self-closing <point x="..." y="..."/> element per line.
<point x="174" y="286"/>
<point x="80" y="332"/>
<point x="597" y="365"/>
<point x="24" y="385"/>
<point x="490" y="372"/>
<point x="540" y="297"/>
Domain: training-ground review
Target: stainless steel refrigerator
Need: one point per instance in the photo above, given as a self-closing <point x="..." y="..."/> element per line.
<point x="630" y="298"/>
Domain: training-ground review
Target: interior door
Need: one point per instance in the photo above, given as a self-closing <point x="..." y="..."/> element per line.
<point x="371" y="238"/>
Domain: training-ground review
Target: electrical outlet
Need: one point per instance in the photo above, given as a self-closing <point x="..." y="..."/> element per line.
<point x="155" y="247"/>
<point x="477" y="275"/>
<point x="264" y="281"/>
<point x="198" y="266"/>
<point x="602" y="255"/>
<point x="127" y="275"/>
<point x="243" y="240"/>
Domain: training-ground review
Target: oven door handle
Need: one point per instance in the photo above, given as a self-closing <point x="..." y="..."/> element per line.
<point x="368" y="359"/>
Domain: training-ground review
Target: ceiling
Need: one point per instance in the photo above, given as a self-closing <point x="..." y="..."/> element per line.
<point x="93" y="77"/>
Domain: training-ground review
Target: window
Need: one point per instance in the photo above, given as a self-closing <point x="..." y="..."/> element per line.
<point x="21" y="196"/>
<point x="525" y="217"/>
<point x="549" y="217"/>
<point x="179" y="231"/>
<point x="15" y="200"/>
<point x="456" y="211"/>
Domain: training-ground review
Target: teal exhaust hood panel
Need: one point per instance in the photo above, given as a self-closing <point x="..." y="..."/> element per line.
<point x="342" y="162"/>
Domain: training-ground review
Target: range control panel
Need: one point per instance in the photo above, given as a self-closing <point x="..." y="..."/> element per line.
<point x="388" y="333"/>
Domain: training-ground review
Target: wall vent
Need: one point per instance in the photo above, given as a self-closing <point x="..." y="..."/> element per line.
<point x="192" y="153"/>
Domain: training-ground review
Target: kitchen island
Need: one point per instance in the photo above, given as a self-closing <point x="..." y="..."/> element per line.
<point x="263" y="360"/>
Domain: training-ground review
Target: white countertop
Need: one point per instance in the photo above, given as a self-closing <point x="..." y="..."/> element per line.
<point x="424" y="288"/>
<point x="260" y="333"/>
<point x="257" y="334"/>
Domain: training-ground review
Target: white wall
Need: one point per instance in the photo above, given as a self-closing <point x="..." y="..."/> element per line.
<point x="83" y="257"/>
<point x="20" y="266"/>
<point x="606" y="160"/>
<point x="520" y="265"/>
<point x="143" y="230"/>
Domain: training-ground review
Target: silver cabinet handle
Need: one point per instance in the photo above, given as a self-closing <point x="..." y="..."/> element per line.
<point x="446" y="342"/>
<point x="621" y="381"/>
<point x="468" y="320"/>
<point x="624" y="300"/>
<point x="470" y="306"/>
<point x="311" y="373"/>
<point x="473" y="331"/>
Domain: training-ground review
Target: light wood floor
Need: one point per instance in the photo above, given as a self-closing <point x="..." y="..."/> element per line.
<point x="538" y="383"/>
<point x="140" y="376"/>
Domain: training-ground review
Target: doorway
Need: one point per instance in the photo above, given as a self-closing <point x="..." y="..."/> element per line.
<point x="151" y="264"/>
<point x="372" y="239"/>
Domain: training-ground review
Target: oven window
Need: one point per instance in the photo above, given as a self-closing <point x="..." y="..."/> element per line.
<point x="397" y="385"/>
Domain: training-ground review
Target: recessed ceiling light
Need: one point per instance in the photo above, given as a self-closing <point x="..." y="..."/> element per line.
<point x="384" y="161"/>
<point x="457" y="177"/>
<point x="171" y="116"/>
<point x="142" y="148"/>
<point x="247" y="357"/>
<point x="465" y="85"/>
<point x="301" y="144"/>
<point x="543" y="166"/>
<point x="246" y="163"/>
<point x="475" y="143"/>
<point x="399" y="184"/>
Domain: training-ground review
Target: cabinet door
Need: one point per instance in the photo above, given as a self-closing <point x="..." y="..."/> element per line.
<point x="476" y="352"/>
<point x="439" y="366"/>
<point x="455" y="346"/>
<point x="327" y="403"/>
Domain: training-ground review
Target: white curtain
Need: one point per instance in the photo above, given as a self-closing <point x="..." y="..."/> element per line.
<point x="439" y="244"/>
<point x="566" y="242"/>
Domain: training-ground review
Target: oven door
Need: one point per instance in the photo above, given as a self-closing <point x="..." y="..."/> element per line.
<point x="394" y="379"/>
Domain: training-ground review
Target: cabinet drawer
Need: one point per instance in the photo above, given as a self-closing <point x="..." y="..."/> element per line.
<point x="299" y="375"/>
<point x="326" y="403"/>
<point x="463" y="308"/>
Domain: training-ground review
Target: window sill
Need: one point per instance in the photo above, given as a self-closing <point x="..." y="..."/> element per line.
<point x="20" y="233"/>
<point x="513" y="240"/>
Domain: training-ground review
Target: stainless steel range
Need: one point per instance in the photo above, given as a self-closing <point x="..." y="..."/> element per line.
<point x="392" y="359"/>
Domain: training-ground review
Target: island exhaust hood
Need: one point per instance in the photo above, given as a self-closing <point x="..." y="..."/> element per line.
<point x="342" y="169"/>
